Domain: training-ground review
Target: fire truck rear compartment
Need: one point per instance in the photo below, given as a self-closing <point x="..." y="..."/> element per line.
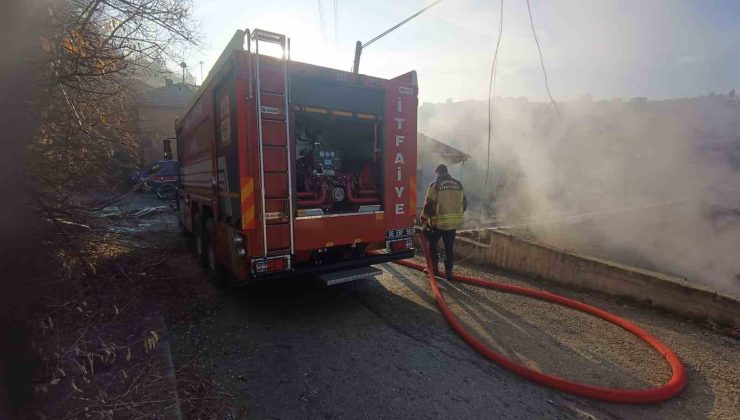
<point x="338" y="163"/>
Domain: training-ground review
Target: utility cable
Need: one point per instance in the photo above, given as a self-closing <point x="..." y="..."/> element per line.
<point x="401" y="24"/>
<point x="542" y="61"/>
<point x="585" y="215"/>
<point x="321" y="21"/>
<point x="491" y="93"/>
<point x="336" y="21"/>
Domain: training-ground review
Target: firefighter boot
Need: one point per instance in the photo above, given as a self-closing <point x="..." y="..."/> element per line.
<point x="448" y="272"/>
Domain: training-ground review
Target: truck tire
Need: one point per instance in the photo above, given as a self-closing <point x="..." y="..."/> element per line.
<point x="181" y="207"/>
<point x="216" y="272"/>
<point x="199" y="238"/>
<point x="184" y="230"/>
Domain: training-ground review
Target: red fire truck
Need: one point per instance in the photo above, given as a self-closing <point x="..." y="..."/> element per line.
<point x="289" y="168"/>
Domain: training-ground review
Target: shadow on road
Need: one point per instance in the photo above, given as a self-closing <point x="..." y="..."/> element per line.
<point x="379" y="349"/>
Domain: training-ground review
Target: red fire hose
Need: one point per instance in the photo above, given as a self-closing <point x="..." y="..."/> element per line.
<point x="661" y="393"/>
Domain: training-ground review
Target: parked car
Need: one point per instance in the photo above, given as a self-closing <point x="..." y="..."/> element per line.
<point x="159" y="173"/>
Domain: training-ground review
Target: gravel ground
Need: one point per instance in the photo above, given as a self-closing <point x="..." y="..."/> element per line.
<point x="380" y="349"/>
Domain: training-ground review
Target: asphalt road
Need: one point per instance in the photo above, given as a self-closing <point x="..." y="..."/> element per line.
<point x="378" y="348"/>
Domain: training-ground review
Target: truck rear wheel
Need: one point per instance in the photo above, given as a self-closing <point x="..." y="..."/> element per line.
<point x="181" y="209"/>
<point x="216" y="272"/>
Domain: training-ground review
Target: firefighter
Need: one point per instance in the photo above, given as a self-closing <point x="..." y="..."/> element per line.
<point x="442" y="214"/>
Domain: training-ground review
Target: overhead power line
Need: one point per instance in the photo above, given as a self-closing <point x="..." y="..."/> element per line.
<point x="542" y="62"/>
<point x="336" y="21"/>
<point x="321" y="21"/>
<point x="492" y="92"/>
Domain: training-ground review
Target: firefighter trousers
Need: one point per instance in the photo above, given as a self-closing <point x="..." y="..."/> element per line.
<point x="448" y="239"/>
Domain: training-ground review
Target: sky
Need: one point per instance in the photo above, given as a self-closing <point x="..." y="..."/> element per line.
<point x="603" y="48"/>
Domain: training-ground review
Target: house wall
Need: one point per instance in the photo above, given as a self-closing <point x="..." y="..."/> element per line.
<point x="499" y="249"/>
<point x="157" y="123"/>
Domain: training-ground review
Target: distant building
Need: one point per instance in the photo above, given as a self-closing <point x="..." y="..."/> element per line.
<point x="432" y="152"/>
<point x="157" y="109"/>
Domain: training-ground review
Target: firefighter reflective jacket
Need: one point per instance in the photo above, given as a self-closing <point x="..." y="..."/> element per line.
<point x="445" y="203"/>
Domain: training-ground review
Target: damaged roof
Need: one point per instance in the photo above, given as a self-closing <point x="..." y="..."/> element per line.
<point x="450" y="155"/>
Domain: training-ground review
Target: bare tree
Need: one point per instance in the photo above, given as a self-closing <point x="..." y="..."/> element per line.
<point x="94" y="49"/>
<point x="86" y="140"/>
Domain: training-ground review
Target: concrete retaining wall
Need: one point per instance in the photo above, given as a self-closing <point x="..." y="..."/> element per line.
<point x="663" y="291"/>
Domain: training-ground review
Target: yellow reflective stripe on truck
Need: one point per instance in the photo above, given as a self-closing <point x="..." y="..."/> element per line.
<point x="247" y="201"/>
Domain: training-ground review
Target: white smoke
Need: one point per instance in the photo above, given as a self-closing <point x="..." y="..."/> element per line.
<point x="652" y="184"/>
